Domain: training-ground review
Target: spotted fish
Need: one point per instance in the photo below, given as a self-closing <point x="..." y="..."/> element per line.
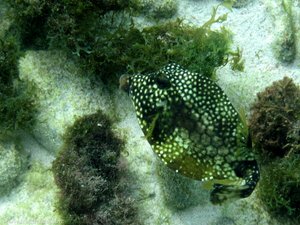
<point x="192" y="126"/>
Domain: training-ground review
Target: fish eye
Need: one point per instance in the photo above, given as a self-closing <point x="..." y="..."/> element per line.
<point x="162" y="81"/>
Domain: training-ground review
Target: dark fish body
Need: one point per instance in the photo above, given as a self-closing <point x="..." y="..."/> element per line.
<point x="192" y="126"/>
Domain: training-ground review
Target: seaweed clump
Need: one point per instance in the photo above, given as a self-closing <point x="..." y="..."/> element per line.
<point x="88" y="171"/>
<point x="132" y="50"/>
<point x="105" y="40"/>
<point x="274" y="125"/>
<point x="273" y="116"/>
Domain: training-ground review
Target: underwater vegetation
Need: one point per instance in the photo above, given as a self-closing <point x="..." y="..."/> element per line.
<point x="196" y="48"/>
<point x="279" y="188"/>
<point x="192" y="126"/>
<point x="155" y="46"/>
<point x="36" y="21"/>
<point x="89" y="173"/>
<point x="293" y="138"/>
<point x="273" y="116"/>
<point x="106" y="41"/>
<point x="152" y="9"/>
<point x="17" y="106"/>
<point x="275" y="129"/>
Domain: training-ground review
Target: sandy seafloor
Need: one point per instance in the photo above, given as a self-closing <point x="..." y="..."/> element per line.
<point x="254" y="31"/>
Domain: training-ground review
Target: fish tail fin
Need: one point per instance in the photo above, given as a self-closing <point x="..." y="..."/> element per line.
<point x="248" y="171"/>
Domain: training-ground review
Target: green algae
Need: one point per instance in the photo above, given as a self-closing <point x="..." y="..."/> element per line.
<point x="106" y="42"/>
<point x="17" y="106"/>
<point x="279" y="188"/>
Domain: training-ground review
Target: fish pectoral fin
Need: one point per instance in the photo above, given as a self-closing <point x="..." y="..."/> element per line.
<point x="224" y="193"/>
<point x="226" y="182"/>
<point x="209" y="184"/>
<point x="150" y="130"/>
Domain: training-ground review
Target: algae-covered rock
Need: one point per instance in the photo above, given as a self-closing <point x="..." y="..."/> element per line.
<point x="36" y="22"/>
<point x="93" y="184"/>
<point x="11" y="167"/>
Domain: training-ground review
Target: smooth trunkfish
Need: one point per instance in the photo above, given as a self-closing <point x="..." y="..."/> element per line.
<point x="193" y="127"/>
